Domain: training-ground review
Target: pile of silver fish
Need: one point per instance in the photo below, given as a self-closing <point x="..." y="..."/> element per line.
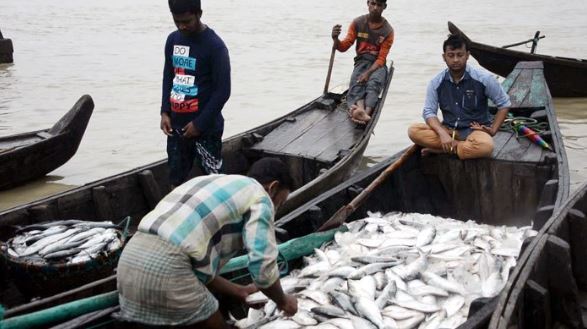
<point x="66" y="241"/>
<point x="396" y="271"/>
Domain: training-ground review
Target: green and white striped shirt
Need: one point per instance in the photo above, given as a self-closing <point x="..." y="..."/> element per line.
<point x="212" y="218"/>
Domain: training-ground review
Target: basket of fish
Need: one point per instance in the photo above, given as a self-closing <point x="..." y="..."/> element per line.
<point x="396" y="271"/>
<point x="47" y="258"/>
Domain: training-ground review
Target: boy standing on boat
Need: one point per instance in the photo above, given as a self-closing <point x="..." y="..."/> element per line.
<point x="374" y="36"/>
<point x="461" y="91"/>
<point x="167" y="267"/>
<point x="196" y="85"/>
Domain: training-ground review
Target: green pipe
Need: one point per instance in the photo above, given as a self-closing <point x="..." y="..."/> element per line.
<point x="292" y="249"/>
<point x="60" y="313"/>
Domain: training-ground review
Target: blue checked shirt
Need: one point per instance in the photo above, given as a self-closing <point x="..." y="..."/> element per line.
<point x="214" y="217"/>
<point x="465" y="101"/>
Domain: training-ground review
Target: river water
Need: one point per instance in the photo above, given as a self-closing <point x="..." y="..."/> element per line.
<point x="113" y="51"/>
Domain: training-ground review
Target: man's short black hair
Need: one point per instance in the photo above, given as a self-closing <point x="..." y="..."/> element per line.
<point x="268" y="170"/>
<point x="455" y="41"/>
<point x="179" y="7"/>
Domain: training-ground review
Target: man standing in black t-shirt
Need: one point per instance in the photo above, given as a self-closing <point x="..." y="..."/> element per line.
<point x="196" y="85"/>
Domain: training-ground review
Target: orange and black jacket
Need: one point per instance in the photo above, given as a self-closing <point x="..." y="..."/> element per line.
<point x="372" y="44"/>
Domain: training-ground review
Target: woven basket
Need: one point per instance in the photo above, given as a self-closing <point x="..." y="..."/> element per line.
<point x="41" y="280"/>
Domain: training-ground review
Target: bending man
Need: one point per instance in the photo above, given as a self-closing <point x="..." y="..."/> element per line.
<point x="166" y="269"/>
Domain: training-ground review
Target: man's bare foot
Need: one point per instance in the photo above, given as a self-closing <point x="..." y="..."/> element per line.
<point x="351" y="109"/>
<point x="360" y="116"/>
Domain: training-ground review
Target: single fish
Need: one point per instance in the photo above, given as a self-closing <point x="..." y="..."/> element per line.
<point x="370" y="269"/>
<point x="399" y="313"/>
<point x="440" y="282"/>
<point x="343" y="301"/>
<point x="426" y="236"/>
<point x="85" y="234"/>
<point x="44" y="242"/>
<point x="328" y="311"/>
<point x="62" y="254"/>
<point x="386" y="295"/>
<point x="376" y="259"/>
<point x="369" y="310"/>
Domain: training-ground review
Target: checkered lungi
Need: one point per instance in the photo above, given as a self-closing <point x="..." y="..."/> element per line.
<point x="157" y="285"/>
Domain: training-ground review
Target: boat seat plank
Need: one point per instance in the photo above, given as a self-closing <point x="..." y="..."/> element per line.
<point x="344" y="139"/>
<point x="320" y="134"/>
<point x="324" y="140"/>
<point x="290" y="130"/>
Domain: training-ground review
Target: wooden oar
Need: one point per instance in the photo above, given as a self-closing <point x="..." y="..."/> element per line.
<point x="329" y="69"/>
<point x="343" y="213"/>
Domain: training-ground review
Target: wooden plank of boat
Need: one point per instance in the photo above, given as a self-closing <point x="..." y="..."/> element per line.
<point x="31" y="155"/>
<point x="507" y="189"/>
<point x="566" y="77"/>
<point x="316" y="168"/>
<point x="551" y="289"/>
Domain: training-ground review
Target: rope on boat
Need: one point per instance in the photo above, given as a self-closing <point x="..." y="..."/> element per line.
<point x="511" y="123"/>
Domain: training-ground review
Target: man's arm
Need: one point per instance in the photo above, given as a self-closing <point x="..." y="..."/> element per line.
<point x="167" y="78"/>
<point x="348" y="41"/>
<point x="430" y="115"/>
<point x="500" y="98"/>
<point x="259" y="239"/>
<point x="445" y="139"/>
<point x="220" y="91"/>
<point x="498" y="120"/>
<point x="222" y="286"/>
<point x="165" y="124"/>
<point x="287" y="303"/>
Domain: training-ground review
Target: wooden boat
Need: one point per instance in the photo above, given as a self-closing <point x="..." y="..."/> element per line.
<point x="550" y="291"/>
<point x="6" y="50"/>
<point x="318" y="141"/>
<point x="31" y="155"/>
<point x="566" y="77"/>
<point x="520" y="182"/>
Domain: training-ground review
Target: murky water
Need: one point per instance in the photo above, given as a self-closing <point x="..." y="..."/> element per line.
<point x="113" y="50"/>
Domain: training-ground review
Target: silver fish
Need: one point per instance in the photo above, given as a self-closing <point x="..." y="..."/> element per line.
<point x="328" y="311"/>
<point x="44" y="242"/>
<point x="369" y="310"/>
<point x="386" y="295"/>
<point x="440" y="282"/>
<point x="370" y="269"/>
<point x="399" y="313"/>
<point x="343" y="301"/>
<point x="426" y="236"/>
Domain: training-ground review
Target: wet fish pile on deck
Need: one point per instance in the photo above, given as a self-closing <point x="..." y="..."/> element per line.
<point x="67" y="241"/>
<point x="397" y="271"/>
